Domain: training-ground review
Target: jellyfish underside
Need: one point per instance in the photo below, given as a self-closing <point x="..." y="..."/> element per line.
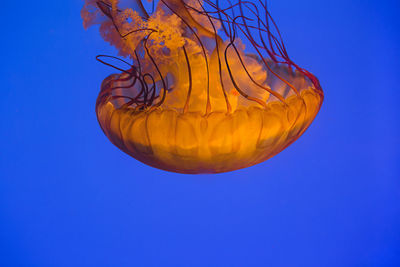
<point x="194" y="100"/>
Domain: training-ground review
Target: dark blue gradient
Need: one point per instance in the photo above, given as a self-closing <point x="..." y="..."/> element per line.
<point x="68" y="197"/>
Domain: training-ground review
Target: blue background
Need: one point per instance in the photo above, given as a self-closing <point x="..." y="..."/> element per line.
<point x="68" y="197"/>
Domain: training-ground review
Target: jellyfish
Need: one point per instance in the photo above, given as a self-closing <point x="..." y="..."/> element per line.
<point x="201" y="86"/>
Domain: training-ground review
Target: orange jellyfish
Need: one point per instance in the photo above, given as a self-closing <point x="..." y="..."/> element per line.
<point x="208" y="87"/>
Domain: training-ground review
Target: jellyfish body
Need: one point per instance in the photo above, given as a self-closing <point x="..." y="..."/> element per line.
<point x="195" y="99"/>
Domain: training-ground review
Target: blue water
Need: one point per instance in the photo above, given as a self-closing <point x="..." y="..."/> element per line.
<point x="68" y="197"/>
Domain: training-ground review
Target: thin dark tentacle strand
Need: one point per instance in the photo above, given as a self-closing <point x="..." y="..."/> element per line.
<point x="217" y="41"/>
<point x="248" y="20"/>
<point x="208" y="105"/>
<point x="186" y="107"/>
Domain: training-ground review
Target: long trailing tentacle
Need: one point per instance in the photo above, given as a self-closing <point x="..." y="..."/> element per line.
<point x="244" y="19"/>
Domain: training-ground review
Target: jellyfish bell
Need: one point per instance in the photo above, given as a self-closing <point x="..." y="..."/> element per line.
<point x="207" y="87"/>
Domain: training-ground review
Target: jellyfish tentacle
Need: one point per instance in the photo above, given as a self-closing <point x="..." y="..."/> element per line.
<point x="131" y="75"/>
<point x="186" y="107"/>
<point x="235" y="84"/>
<point x="110" y="65"/>
<point x="208" y="105"/>
<point x="231" y="44"/>
<point x="278" y="96"/>
<point x="252" y="41"/>
<point x="218" y="41"/>
<point x="158" y="71"/>
<point x="106" y="9"/>
<point x="269" y="17"/>
<point x="137" y="30"/>
<point x="139" y="67"/>
<point x="153" y="88"/>
<point x="222" y="20"/>
<point x="112" y="88"/>
<point x="220" y="17"/>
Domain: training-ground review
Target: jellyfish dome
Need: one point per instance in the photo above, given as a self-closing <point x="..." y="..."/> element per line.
<point x="202" y="86"/>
